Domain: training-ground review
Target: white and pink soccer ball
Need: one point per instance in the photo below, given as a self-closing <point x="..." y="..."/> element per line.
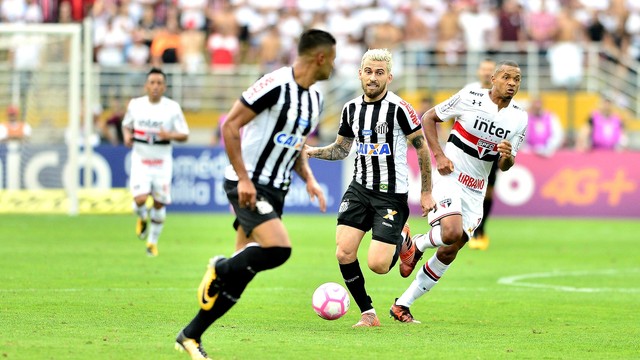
<point x="331" y="301"/>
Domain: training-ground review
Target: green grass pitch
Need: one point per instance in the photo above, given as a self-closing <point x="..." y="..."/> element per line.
<point x="83" y="288"/>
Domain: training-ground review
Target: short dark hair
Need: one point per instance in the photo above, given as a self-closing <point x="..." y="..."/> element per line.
<point x="314" y="38"/>
<point x="156" y="70"/>
<point x="505" y="63"/>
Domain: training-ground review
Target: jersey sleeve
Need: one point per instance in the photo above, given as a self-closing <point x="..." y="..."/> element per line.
<point x="450" y="108"/>
<point x="127" y="121"/>
<point x="179" y="122"/>
<point x="345" y="128"/>
<point x="263" y="94"/>
<point x="518" y="138"/>
<point x="408" y="118"/>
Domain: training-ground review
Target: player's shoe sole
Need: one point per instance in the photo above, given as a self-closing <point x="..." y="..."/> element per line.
<point x="191" y="346"/>
<point x="210" y="285"/>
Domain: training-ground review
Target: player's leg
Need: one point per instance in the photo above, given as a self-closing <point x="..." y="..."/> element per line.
<point x="480" y="239"/>
<point x="226" y="279"/>
<point x="161" y="193"/>
<point x="140" y="187"/>
<point x="390" y="214"/>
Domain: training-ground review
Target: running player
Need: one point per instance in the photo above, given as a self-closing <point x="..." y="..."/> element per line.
<point x="277" y="113"/>
<point x="381" y="123"/>
<point x="150" y="124"/>
<point x="489" y="127"/>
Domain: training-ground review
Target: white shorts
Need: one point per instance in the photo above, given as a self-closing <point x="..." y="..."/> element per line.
<point x="453" y="198"/>
<point x="151" y="179"/>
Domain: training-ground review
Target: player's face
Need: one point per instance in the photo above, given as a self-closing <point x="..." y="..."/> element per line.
<point x="506" y="82"/>
<point x="485" y="72"/>
<point x="155" y="87"/>
<point x="374" y="79"/>
<point x="327" y="63"/>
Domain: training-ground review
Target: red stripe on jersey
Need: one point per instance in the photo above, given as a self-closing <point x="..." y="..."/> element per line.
<point x="469" y="137"/>
<point x="139" y="132"/>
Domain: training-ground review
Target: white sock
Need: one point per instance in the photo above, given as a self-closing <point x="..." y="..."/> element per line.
<point x="156" y="224"/>
<point x="430" y="240"/>
<point x="370" y="311"/>
<point x="141" y="210"/>
<point x="426" y="278"/>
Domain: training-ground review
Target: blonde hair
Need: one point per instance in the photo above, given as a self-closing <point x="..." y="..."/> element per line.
<point x="378" y="55"/>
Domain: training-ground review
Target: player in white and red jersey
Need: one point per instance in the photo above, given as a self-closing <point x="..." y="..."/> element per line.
<point x="489" y="126"/>
<point x="151" y="123"/>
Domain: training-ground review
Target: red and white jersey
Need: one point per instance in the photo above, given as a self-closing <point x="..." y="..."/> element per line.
<point x="478" y="129"/>
<point x="146" y="119"/>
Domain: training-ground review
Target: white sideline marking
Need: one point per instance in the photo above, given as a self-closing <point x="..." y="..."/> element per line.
<point x="518" y="280"/>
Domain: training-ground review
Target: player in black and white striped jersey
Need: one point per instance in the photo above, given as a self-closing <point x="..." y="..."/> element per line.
<point x="380" y="123"/>
<point x="276" y="115"/>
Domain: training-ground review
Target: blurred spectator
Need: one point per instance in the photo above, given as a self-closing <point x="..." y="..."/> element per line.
<point x="192" y="44"/>
<point x="166" y="45"/>
<point x="511" y="24"/>
<point x="270" y="51"/>
<point x="192" y="14"/>
<point x="223" y="46"/>
<point x="542" y="26"/>
<point x="112" y="127"/>
<point x="566" y="54"/>
<point x="148" y="25"/>
<point x="603" y="130"/>
<point x="479" y="27"/>
<point x="14" y="128"/>
<point x="137" y="54"/>
<point x="544" y="131"/>
<point x="450" y="37"/>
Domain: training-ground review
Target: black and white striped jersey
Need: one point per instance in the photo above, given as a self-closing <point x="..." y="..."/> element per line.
<point x="380" y="129"/>
<point x="286" y="114"/>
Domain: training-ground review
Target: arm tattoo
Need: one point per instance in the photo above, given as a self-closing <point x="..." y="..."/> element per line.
<point x="417" y="142"/>
<point x="335" y="151"/>
<point x="425" y="173"/>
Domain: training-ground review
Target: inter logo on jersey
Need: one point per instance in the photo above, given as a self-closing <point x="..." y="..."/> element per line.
<point x="484" y="147"/>
<point x="291" y="141"/>
<point x="374" y="149"/>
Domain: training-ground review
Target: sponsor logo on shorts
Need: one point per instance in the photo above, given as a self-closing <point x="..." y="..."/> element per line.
<point x="263" y="207"/>
<point x="471" y="182"/>
<point x="343" y="206"/>
<point x="390" y="213"/>
<point x="387" y="224"/>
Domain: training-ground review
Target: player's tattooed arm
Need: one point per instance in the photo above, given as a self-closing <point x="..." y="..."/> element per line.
<point x="424" y="159"/>
<point x="338" y="150"/>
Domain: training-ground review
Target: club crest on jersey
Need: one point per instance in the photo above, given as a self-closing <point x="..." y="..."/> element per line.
<point x="484" y="147"/>
<point x="382" y="127"/>
<point x="369" y="149"/>
<point x="291" y="141"/>
<point x="445" y="203"/>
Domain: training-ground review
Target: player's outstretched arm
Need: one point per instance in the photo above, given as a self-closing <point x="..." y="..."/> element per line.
<point x="337" y="150"/>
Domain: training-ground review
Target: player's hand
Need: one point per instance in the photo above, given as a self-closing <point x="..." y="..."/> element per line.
<point x="246" y="194"/>
<point x="504" y="148"/>
<point x="163" y="135"/>
<point x="427" y="203"/>
<point x="308" y="150"/>
<point x="315" y="192"/>
<point x="444" y="165"/>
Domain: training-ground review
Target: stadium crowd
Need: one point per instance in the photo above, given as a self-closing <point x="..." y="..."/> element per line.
<point x="224" y="33"/>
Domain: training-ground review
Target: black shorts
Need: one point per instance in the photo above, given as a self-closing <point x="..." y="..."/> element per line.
<point x="269" y="205"/>
<point x="492" y="173"/>
<point x="366" y="209"/>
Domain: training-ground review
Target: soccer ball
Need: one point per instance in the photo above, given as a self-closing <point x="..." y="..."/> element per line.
<point x="331" y="301"/>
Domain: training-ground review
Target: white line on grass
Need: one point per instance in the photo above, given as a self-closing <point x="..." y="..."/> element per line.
<point x="518" y="280"/>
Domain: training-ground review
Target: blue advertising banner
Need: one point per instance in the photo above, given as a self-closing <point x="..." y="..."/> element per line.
<point x="198" y="176"/>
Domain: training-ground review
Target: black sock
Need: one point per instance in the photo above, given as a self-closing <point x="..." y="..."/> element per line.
<point x="354" y="280"/>
<point x="236" y="273"/>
